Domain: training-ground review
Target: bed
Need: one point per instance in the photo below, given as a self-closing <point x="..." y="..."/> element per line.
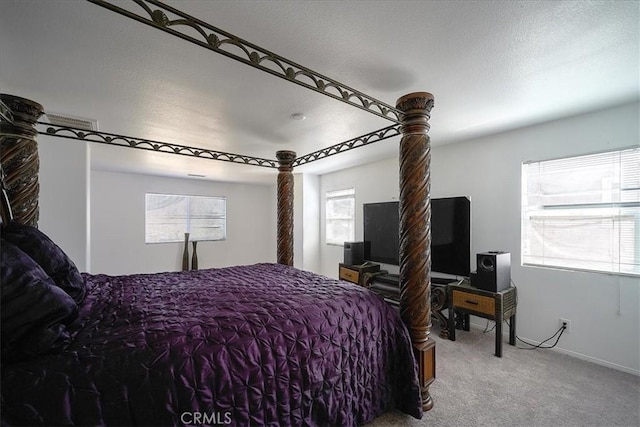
<point x="264" y="344"/>
<point x="245" y="345"/>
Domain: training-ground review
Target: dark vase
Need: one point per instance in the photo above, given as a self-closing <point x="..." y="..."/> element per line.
<point x="194" y="257"/>
<point x="185" y="254"/>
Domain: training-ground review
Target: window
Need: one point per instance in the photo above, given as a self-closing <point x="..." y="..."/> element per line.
<point x="168" y="217"/>
<point x="340" y="216"/>
<point x="583" y="212"/>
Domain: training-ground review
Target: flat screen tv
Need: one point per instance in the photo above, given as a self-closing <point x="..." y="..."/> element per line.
<point x="450" y="234"/>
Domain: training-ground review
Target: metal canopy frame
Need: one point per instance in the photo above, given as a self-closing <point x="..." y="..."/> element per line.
<point x="410" y="119"/>
<point x="217" y="40"/>
<point x="361" y="141"/>
<point x="149" y="145"/>
<point x="70" y="132"/>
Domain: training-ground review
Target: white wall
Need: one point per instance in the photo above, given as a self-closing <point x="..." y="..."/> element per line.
<point x="373" y="182"/>
<point x="604" y="309"/>
<point x="306" y="222"/>
<point x="118" y="215"/>
<point x="64" y="169"/>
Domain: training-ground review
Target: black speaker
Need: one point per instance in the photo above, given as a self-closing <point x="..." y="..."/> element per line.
<point x="493" y="272"/>
<point x="353" y="253"/>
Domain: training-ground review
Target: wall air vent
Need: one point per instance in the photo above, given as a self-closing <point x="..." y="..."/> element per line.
<point x="72" y="122"/>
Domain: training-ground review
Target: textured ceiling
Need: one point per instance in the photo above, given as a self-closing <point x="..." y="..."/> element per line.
<point x="492" y="66"/>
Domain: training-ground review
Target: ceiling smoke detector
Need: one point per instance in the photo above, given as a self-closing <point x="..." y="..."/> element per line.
<point x="72" y="122"/>
<point x="297" y="116"/>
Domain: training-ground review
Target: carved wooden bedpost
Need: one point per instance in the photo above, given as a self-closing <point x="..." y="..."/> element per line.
<point x="285" y="206"/>
<point x="415" y="233"/>
<point x="19" y="158"/>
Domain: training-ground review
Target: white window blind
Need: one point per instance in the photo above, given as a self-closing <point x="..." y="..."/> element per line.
<point x="340" y="216"/>
<point x="583" y="212"/>
<point x="169" y="216"/>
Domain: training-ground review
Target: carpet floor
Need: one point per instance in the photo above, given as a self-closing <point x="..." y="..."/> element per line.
<point x="523" y="388"/>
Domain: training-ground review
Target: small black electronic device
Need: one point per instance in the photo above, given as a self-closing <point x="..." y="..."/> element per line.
<point x="353" y="253"/>
<point x="442" y="280"/>
<point x="494" y="271"/>
<point x="473" y="279"/>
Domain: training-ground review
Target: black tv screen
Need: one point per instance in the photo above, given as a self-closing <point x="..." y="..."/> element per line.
<point x="450" y="234"/>
<point x="382" y="232"/>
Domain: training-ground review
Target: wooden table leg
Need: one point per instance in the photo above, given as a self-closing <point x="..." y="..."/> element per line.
<point x="512" y="330"/>
<point x="499" y="336"/>
<point x="452" y="323"/>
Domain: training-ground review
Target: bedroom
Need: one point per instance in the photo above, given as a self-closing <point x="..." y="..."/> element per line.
<point x="477" y="162"/>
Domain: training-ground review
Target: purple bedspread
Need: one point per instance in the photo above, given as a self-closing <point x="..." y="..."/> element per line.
<point x="249" y="345"/>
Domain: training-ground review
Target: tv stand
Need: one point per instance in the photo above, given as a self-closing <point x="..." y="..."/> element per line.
<point x="357" y="274"/>
<point x="388" y="286"/>
<point x="442" y="280"/>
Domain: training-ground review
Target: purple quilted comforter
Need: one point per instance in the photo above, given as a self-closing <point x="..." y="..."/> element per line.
<point x="249" y="345"/>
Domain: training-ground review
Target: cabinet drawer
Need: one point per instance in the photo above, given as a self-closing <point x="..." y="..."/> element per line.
<point x="350" y="275"/>
<point x="479" y="303"/>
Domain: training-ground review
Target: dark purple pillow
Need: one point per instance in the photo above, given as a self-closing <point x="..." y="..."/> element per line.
<point x="49" y="256"/>
<point x="34" y="310"/>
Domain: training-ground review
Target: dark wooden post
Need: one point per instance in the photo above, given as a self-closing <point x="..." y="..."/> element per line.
<point x="19" y="158"/>
<point x="285" y="207"/>
<point x="415" y="233"/>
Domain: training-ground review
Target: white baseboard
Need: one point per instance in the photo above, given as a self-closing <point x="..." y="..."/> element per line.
<point x="571" y="353"/>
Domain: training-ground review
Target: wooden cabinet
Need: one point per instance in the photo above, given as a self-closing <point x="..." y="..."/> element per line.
<point x="355" y="273"/>
<point x="497" y="306"/>
<point x="473" y="302"/>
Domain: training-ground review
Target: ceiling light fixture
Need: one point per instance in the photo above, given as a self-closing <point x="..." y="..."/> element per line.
<point x="297" y="116"/>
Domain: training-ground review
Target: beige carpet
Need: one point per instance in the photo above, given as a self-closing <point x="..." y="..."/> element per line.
<point x="523" y="388"/>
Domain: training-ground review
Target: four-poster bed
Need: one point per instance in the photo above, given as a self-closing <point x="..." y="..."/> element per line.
<point x="359" y="312"/>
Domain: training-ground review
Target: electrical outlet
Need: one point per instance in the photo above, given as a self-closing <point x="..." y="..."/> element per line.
<point x="567" y="323"/>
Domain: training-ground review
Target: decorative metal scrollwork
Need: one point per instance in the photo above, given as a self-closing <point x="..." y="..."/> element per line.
<point x="218" y="41"/>
<point x="360" y="141"/>
<point x="203" y="153"/>
<point x="145" y="144"/>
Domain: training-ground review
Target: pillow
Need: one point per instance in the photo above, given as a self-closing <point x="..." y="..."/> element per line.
<point x="49" y="256"/>
<point x="34" y="310"/>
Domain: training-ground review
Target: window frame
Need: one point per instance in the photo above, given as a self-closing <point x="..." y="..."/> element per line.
<point x="332" y="196"/>
<point x="188" y="218"/>
<point x="621" y="210"/>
